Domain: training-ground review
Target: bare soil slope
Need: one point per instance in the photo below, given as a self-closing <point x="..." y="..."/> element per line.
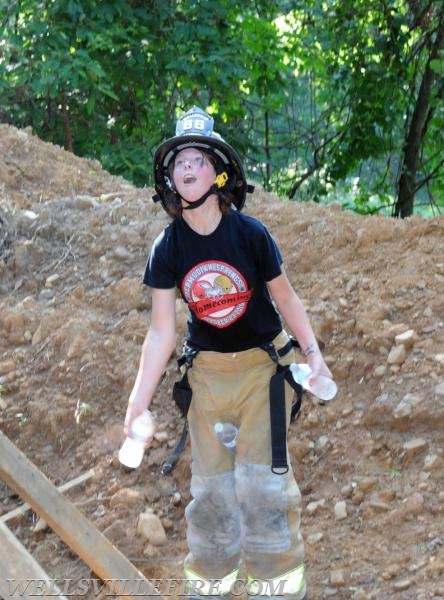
<point x="73" y="315"/>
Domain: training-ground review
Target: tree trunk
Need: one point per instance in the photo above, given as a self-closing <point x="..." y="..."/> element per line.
<point x="267" y="154"/>
<point x="407" y="182"/>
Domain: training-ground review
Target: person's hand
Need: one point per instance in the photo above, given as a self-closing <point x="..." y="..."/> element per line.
<point x="149" y="424"/>
<point x="318" y="366"/>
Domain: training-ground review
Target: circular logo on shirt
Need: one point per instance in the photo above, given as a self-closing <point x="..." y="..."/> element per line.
<point x="216" y="293"/>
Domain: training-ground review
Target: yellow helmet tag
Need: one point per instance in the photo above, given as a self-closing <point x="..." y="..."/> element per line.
<point x="221" y="179"/>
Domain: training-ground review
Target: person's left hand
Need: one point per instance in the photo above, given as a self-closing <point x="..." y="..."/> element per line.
<point x="318" y="366"/>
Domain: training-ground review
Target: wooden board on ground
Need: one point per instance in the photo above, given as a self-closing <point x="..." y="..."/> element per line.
<point x="104" y="559"/>
<point x="17" y="565"/>
<point x="17" y="512"/>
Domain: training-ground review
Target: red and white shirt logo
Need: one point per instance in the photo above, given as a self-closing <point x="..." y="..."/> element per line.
<point x="216" y="293"/>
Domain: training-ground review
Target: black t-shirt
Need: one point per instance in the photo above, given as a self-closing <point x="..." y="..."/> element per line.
<point x="222" y="277"/>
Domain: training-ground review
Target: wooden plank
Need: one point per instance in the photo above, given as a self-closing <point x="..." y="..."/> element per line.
<point x="17" y="564"/>
<point x="70" y="524"/>
<point x="17" y="512"/>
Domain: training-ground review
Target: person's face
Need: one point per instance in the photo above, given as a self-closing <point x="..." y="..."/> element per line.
<point x="193" y="174"/>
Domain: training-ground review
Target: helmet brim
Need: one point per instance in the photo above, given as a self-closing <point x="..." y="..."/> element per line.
<point x="230" y="159"/>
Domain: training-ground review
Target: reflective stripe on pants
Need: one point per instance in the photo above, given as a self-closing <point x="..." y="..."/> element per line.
<point x="204" y="587"/>
<point x="291" y="584"/>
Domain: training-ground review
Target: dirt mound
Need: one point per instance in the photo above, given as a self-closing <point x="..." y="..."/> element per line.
<point x="73" y="315"/>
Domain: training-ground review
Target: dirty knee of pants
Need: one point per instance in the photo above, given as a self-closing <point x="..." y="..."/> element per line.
<point x="263" y="509"/>
<point x="213" y="517"/>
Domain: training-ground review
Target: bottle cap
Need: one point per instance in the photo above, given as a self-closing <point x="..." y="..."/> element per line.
<point x="131" y="453"/>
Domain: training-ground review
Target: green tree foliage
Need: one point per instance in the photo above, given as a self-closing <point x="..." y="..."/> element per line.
<point x="422" y="157"/>
<point x="366" y="62"/>
<point x="75" y="73"/>
<point x="319" y="96"/>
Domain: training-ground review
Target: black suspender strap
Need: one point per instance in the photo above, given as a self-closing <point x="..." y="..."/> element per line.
<point x="278" y="423"/>
<point x="182" y="394"/>
<point x="168" y="465"/>
<point x="278" y="413"/>
<point x="275" y="355"/>
<point x="278" y="417"/>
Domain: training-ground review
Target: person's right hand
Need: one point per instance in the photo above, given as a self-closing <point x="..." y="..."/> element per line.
<point x="149" y="424"/>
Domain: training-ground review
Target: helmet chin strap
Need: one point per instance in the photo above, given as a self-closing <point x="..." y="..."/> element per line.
<point x="201" y="200"/>
<point x="219" y="183"/>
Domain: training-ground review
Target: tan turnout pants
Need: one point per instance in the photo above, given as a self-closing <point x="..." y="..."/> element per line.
<point x="240" y="510"/>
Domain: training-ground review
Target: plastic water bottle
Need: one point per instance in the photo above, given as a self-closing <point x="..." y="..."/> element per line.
<point x="323" y="387"/>
<point x="133" y="448"/>
<point x="226" y="433"/>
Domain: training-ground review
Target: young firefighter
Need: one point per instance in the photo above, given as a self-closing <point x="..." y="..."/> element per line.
<point x="229" y="271"/>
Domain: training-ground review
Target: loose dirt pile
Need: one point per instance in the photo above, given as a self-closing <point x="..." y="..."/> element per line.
<point x="73" y="315"/>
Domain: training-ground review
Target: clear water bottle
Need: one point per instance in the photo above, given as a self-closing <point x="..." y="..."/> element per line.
<point x="323" y="387"/>
<point x="133" y="448"/>
<point x="226" y="433"/>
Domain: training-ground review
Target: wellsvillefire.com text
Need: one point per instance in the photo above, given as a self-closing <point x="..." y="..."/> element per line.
<point x="139" y="587"/>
